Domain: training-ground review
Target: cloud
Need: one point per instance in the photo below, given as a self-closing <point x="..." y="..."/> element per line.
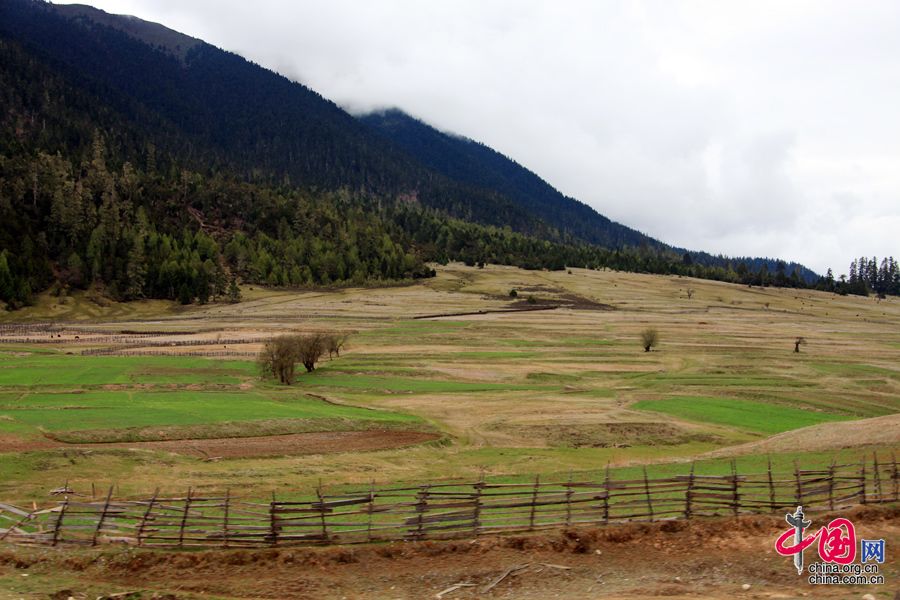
<point x="764" y="127"/>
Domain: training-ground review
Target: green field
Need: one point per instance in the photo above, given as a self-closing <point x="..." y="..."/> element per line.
<point x="759" y="417"/>
<point x="47" y="369"/>
<point x="60" y="395"/>
<point x="107" y="410"/>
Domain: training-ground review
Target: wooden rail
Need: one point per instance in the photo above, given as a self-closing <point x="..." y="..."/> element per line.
<point x="440" y="510"/>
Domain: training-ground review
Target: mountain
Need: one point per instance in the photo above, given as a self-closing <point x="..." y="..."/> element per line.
<point x="475" y="164"/>
<point x="213" y="110"/>
<point x="153" y="34"/>
<point x="152" y="164"/>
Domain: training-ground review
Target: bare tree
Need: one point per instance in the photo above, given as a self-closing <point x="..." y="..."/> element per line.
<point x="649" y="338"/>
<point x="334" y="344"/>
<point x="310" y="349"/>
<point x="690" y="293"/>
<point x="800" y="341"/>
<point x="278" y="358"/>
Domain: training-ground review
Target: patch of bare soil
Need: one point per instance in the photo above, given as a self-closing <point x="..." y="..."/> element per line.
<point x="610" y="435"/>
<point x="14" y="443"/>
<point x="540" y="288"/>
<point x="712" y="558"/>
<point x="568" y="300"/>
<point x="243" y="447"/>
<point x="582" y="303"/>
<point x="823" y="437"/>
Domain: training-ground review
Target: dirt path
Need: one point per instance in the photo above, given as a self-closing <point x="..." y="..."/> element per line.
<point x="702" y="558"/>
<point x="242" y="447"/>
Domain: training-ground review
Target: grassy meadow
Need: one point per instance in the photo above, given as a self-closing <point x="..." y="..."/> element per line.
<point x="511" y="394"/>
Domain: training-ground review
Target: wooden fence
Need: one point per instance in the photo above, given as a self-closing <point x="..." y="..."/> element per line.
<point x="128" y="346"/>
<point x="51" y="333"/>
<point x="30" y="329"/>
<point x="440" y="510"/>
<point x="198" y="353"/>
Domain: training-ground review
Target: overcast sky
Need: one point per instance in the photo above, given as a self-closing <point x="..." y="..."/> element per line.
<point x="746" y="128"/>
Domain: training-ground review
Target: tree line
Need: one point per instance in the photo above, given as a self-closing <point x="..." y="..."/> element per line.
<point x="145" y="231"/>
<point x="866" y="276"/>
<point x="180" y="235"/>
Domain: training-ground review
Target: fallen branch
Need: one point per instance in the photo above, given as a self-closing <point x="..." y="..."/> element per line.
<point x="507" y="573"/>
<point x="453" y="588"/>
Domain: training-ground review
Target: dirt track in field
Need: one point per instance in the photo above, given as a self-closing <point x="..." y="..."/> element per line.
<point x="824" y="437"/>
<point x="244" y="447"/>
<point x="711" y="558"/>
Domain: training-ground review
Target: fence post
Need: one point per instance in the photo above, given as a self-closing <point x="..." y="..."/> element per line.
<point x="225" y="518"/>
<point x="607" y="489"/>
<point x="184" y="517"/>
<point x="831" y="485"/>
<point x="894" y="476"/>
<point x="647" y="490"/>
<point x="569" y="501"/>
<point x="371" y="510"/>
<point x="534" y="495"/>
<point x="421" y="507"/>
<point x="735" y="496"/>
<point x="143" y="523"/>
<point x="57" y="528"/>
<point x="799" y="484"/>
<point x="476" y="511"/>
<point x="273" y="518"/>
<point x="862" y="480"/>
<point x="322" y="513"/>
<point x="877" y="474"/>
<point x="102" y="517"/>
<point x="688" y="495"/>
<point x="772" y="506"/>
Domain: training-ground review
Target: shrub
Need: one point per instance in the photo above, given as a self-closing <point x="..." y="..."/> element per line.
<point x="334" y="344"/>
<point x="649" y="338"/>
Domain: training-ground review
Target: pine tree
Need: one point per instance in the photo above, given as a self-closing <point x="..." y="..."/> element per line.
<point x="136" y="272"/>
<point x="7" y="284"/>
<point x="234" y="292"/>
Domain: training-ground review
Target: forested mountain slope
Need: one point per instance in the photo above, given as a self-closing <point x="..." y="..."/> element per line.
<point x="151" y="164"/>
<point x="474" y="163"/>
